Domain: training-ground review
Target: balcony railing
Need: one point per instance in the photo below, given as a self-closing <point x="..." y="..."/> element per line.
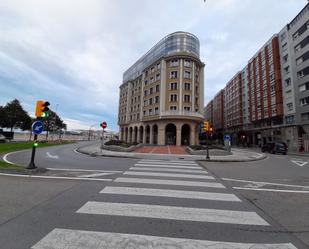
<point x="182" y="113"/>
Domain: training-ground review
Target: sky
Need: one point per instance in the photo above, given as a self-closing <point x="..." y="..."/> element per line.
<point x="73" y="53"/>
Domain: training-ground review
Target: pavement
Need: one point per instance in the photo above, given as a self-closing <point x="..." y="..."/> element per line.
<point x="114" y="202"/>
<point x="238" y="155"/>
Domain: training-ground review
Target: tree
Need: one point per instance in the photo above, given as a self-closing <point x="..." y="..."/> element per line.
<point x="16" y="116"/>
<point x="3" y="116"/>
<point x="53" y="123"/>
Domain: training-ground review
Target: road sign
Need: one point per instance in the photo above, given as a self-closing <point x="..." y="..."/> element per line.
<point x="104" y="125"/>
<point x="227" y="137"/>
<point x="37" y="127"/>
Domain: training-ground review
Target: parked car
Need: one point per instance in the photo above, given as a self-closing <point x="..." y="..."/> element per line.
<point x="2" y="139"/>
<point x="275" y="147"/>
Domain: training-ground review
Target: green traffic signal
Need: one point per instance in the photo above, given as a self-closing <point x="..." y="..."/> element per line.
<point x="36" y="144"/>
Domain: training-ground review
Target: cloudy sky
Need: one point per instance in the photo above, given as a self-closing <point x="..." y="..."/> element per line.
<point x="73" y="53"/>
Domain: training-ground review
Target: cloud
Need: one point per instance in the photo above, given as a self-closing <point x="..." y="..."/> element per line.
<point x="73" y="53"/>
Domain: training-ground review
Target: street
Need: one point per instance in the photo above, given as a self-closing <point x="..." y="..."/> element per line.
<point x="157" y="204"/>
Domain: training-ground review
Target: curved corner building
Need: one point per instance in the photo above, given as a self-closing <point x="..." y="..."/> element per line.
<point x="162" y="95"/>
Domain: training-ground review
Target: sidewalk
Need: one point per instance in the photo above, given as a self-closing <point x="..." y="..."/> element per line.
<point x="258" y="150"/>
<point x="238" y="155"/>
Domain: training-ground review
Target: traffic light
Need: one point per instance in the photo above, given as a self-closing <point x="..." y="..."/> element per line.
<point x="206" y="126"/>
<point x="211" y="129"/>
<point x="41" y="110"/>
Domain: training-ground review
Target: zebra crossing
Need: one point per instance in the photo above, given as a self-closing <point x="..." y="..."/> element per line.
<point x="184" y="181"/>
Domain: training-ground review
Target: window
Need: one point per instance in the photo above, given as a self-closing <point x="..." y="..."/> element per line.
<point x="187" y="108"/>
<point x="187" y="98"/>
<point x="150" y="101"/>
<point x="173" y="86"/>
<point x="187" y="75"/>
<point x="156" y="110"/>
<point x="150" y="112"/>
<point x="289" y="119"/>
<point x="151" y="90"/>
<point x="300" y="74"/>
<point x="157" y="99"/>
<point x="297" y="48"/>
<point x="173" y="97"/>
<point x="145" y="102"/>
<point x="287" y="82"/>
<point x="284" y="47"/>
<point x="285" y="58"/>
<point x="289" y="106"/>
<point x="152" y="69"/>
<point x="146" y="82"/>
<point x="158" y="66"/>
<point x="144" y="112"/>
<point x="304" y="87"/>
<point x="187" y="63"/>
<point x="287" y="69"/>
<point x="187" y="86"/>
<point x="272" y="88"/>
<point x="304" y="101"/>
<point x="174" y="63"/>
<point x="173" y="108"/>
<point x="158" y="77"/>
<point x="295" y="36"/>
<point x="145" y="92"/>
<point x="157" y="88"/>
<point x="173" y="75"/>
<point x="151" y="79"/>
<point x="305" y="116"/>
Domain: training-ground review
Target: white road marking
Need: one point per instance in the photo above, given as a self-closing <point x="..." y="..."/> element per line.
<point x="173" y="213"/>
<point x="170" y="193"/>
<point x="96" y="175"/>
<point x="170" y="182"/>
<point x="265" y="183"/>
<point x="168" y="166"/>
<point x="57" y="177"/>
<point x="51" y="156"/>
<point x="169" y="170"/>
<point x="169" y="163"/>
<point x="273" y="190"/>
<point x="86" y="170"/>
<point x="299" y="163"/>
<point x="132" y="173"/>
<point x="79" y="239"/>
<point x="8" y="154"/>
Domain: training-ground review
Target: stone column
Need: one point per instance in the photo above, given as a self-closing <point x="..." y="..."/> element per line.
<point x="161" y="134"/>
<point x="178" y="135"/>
<point x="144" y="135"/>
<point x="138" y="135"/>
<point x="192" y="135"/>
<point x="151" y="135"/>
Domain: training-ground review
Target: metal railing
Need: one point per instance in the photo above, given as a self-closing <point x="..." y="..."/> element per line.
<point x="182" y="113"/>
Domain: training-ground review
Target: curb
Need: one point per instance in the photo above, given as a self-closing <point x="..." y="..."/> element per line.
<point x="95" y="154"/>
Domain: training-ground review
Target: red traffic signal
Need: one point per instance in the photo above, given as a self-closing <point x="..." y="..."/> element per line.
<point x="103" y="125"/>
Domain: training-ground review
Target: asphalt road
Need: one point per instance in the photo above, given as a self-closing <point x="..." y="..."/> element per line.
<point x="156" y="204"/>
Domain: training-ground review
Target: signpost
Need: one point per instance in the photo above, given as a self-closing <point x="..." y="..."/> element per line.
<point x="227" y="142"/>
<point x="104" y="126"/>
<point x="37" y="128"/>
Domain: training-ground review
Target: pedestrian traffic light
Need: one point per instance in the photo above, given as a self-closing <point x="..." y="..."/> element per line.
<point x="206" y="126"/>
<point x="41" y="110"/>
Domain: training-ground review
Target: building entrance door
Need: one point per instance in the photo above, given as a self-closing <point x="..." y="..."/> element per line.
<point x="170" y="134"/>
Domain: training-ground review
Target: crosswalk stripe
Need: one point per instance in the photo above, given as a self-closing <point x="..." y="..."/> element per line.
<point x="169" y="182"/>
<point x="173" y="213"/>
<point x="169" y="170"/>
<point x="169" y="163"/>
<point x="133" y="173"/>
<point x="168" y="166"/>
<point x="170" y="193"/>
<point x="79" y="239"/>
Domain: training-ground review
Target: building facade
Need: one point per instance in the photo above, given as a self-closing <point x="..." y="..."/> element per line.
<point x="219" y="113"/>
<point x="272" y="96"/>
<point x="162" y="95"/>
<point x="208" y="113"/>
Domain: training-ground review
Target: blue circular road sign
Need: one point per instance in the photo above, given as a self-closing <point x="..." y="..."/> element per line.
<point x="37" y="127"/>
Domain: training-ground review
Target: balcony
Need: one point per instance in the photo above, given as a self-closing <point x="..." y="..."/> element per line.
<point x="182" y="113"/>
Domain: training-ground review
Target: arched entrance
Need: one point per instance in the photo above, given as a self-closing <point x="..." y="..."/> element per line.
<point x="147" y="134"/>
<point x="155" y="134"/>
<point x="170" y="134"/>
<point x="185" y="135"/>
<point x="141" y="134"/>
